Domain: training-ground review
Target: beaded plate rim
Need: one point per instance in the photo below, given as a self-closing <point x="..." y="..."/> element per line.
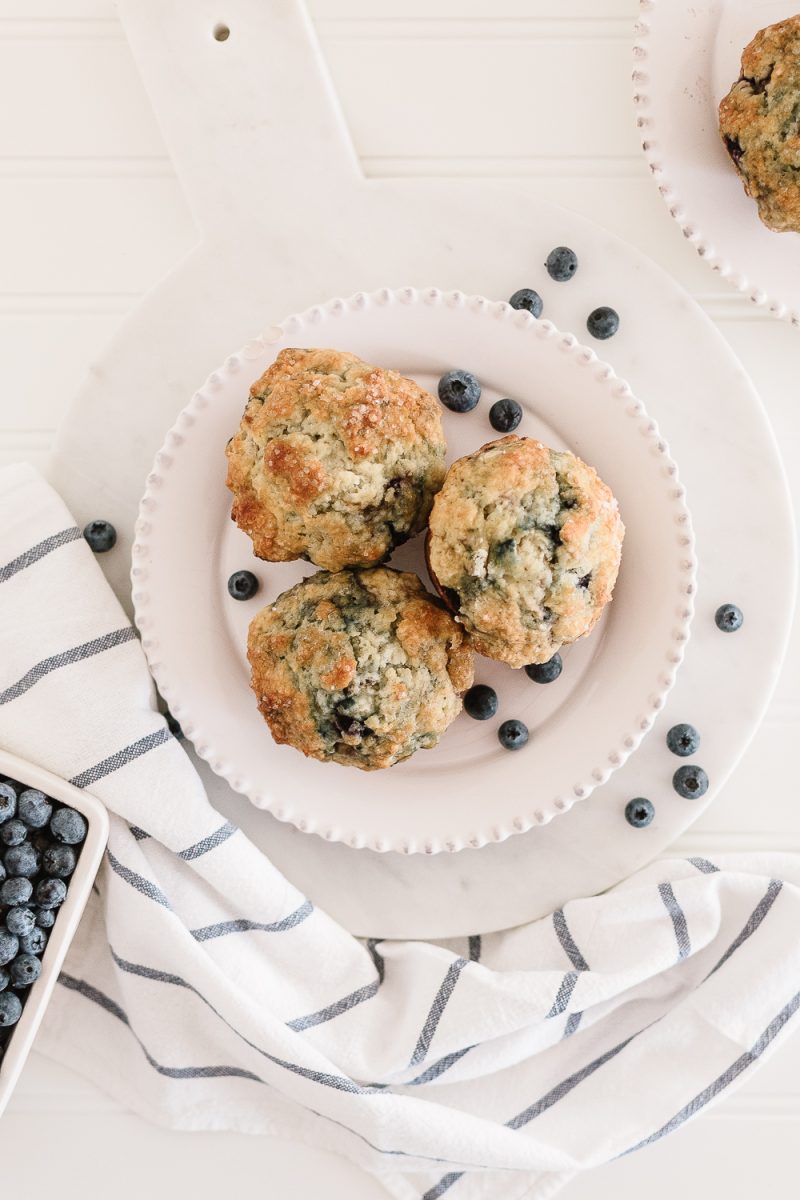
<point x="695" y="236"/>
<point x="284" y="808"/>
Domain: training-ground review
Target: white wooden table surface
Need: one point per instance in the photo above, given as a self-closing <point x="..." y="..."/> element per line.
<point x="91" y="216"/>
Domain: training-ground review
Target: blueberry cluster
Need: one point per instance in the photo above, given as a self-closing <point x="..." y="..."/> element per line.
<point x="40" y="841"/>
<point x="561" y="265"/>
<point x="481" y="703"/>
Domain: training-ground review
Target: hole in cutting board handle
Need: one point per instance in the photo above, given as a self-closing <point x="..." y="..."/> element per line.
<point x="221" y="33"/>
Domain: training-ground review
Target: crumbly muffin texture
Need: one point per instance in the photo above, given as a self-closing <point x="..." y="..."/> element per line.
<point x="524" y="545"/>
<point x="335" y="461"/>
<point x="359" y="667"/>
<point x="759" y="121"/>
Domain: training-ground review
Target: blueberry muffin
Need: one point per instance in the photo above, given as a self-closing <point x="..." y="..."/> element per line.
<point x="759" y="120"/>
<point x="335" y="461"/>
<point x="358" y="667"/>
<point x="524" y="546"/>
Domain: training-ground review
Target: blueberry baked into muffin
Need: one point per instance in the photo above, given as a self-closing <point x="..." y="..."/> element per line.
<point x="360" y="667"/>
<point x="335" y="461"/>
<point x="524" y="546"/>
<point x="759" y="121"/>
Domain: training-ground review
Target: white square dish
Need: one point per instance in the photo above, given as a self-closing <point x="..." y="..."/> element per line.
<point x="69" y="914"/>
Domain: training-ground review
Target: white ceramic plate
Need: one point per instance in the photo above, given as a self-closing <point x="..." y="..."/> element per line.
<point x="687" y="56"/>
<point x="468" y="791"/>
<point x="63" y="931"/>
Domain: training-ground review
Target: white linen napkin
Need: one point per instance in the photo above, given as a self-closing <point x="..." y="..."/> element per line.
<point x="204" y="992"/>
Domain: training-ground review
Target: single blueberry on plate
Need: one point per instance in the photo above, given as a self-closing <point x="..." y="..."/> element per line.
<point x="25" y="970"/>
<point x="8" y="802"/>
<point x="34" y="809"/>
<point x="690" y="782"/>
<point x="243" y="585"/>
<point x="45" y="918"/>
<point x="22" y="861"/>
<point x="639" y="812"/>
<point x="10" y="1009"/>
<point x="68" y="826"/>
<point x="545" y="672"/>
<point x="603" y="323"/>
<point x="101" y="536"/>
<point x="459" y="391"/>
<point x="513" y="734"/>
<point x="9" y="946"/>
<point x="729" y="618"/>
<point x="50" y="893"/>
<point x="480" y="702"/>
<point x="20" y="921"/>
<point x="33" y="942"/>
<point x="16" y="891"/>
<point x="683" y="740"/>
<point x="561" y="263"/>
<point x="528" y="299"/>
<point x="505" y="415"/>
<point x="59" y="860"/>
<point x="13" y="833"/>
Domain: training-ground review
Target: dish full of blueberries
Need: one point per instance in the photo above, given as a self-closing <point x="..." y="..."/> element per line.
<point x="40" y="844"/>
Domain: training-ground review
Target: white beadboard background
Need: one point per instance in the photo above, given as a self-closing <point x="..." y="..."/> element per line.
<point x="91" y="216"/>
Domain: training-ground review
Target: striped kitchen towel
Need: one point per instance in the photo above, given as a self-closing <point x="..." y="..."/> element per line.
<point x="204" y="992"/>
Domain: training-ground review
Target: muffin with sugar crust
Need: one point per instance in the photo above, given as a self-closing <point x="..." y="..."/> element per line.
<point x="759" y="121"/>
<point x="358" y="667"/>
<point x="524" y="546"/>
<point x="335" y="461"/>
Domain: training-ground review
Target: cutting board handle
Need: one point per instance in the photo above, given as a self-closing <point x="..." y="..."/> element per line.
<point x="245" y="103"/>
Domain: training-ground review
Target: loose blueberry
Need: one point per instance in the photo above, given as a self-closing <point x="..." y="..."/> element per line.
<point x="68" y="826"/>
<point x="690" y="782"/>
<point x="243" y="585"/>
<point x="101" y="536"/>
<point x="528" y="299"/>
<point x="50" y="892"/>
<point x="25" y="970"/>
<point x="9" y="947"/>
<point x="173" y="726"/>
<point x="513" y="734"/>
<point x="59" y="860"/>
<point x="33" y="942"/>
<point x="16" y="891"/>
<point x="729" y="618"/>
<point x="13" y="833"/>
<point x="8" y="802"/>
<point x="639" y="812"/>
<point x="545" y="672"/>
<point x="683" y="740"/>
<point x="480" y="702"/>
<point x="505" y="415"/>
<point x="20" y="921"/>
<point x="10" y="1009"/>
<point x="45" y="918"/>
<point x="603" y="323"/>
<point x="459" y="391"/>
<point x="34" y="809"/>
<point x="561" y="263"/>
<point x="22" y="861"/>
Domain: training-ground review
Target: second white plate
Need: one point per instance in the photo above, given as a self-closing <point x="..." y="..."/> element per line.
<point x="687" y="56"/>
<point x="467" y="791"/>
